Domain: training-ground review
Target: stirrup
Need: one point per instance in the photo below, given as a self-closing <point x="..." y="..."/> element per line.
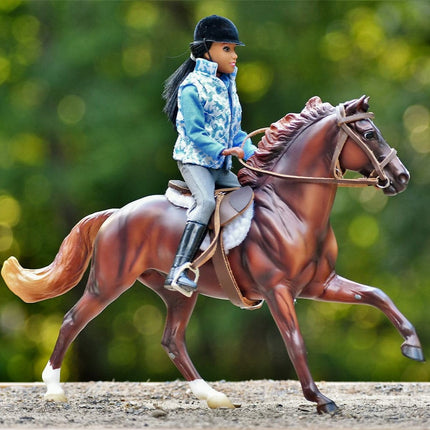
<point x="179" y="272"/>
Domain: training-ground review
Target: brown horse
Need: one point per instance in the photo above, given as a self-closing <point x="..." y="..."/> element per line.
<point x="290" y="251"/>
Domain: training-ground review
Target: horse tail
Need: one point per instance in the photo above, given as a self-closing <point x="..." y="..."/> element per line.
<point x="67" y="269"/>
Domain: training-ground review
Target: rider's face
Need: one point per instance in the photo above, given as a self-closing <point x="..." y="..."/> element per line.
<point x="224" y="54"/>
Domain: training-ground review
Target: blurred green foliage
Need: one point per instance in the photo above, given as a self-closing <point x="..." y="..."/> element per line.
<point x="82" y="129"/>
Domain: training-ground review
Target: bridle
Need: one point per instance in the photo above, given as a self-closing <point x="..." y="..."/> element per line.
<point x="376" y="178"/>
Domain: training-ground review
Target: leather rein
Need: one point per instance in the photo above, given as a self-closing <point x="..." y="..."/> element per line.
<point x="376" y="178"/>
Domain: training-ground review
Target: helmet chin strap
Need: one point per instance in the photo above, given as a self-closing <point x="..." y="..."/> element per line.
<point x="207" y="50"/>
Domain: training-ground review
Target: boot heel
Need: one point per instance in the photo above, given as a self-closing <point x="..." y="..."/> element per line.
<point x="189" y="244"/>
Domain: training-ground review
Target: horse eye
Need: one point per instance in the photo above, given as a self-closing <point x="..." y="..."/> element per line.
<point x="369" y="135"/>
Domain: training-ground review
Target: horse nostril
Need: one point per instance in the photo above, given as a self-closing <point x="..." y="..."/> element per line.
<point x="403" y="178"/>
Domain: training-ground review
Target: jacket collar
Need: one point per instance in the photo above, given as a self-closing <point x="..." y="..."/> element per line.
<point x="210" y="68"/>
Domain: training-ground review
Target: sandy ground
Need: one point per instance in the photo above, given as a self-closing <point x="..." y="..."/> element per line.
<point x="264" y="404"/>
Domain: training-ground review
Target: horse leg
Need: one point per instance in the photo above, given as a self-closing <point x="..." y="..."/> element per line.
<point x="281" y="305"/>
<point x="179" y="310"/>
<point x="88" y="307"/>
<point x="338" y="289"/>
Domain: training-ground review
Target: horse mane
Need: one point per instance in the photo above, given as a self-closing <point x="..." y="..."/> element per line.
<point x="277" y="138"/>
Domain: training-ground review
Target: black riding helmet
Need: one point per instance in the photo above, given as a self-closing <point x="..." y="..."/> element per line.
<point x="216" y="28"/>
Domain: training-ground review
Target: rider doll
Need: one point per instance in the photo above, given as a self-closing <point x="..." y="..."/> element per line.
<point x="202" y="103"/>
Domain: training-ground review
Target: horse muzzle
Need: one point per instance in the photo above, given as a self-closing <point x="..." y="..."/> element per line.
<point x="396" y="180"/>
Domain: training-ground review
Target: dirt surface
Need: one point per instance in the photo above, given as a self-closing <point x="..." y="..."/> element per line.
<point x="264" y="404"/>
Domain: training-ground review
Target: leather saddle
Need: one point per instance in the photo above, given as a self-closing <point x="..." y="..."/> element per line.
<point x="235" y="201"/>
<point x="230" y="203"/>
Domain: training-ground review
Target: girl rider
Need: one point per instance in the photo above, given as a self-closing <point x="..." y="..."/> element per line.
<point x="202" y="103"/>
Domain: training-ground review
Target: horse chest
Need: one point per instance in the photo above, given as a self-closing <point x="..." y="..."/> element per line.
<point x="285" y="250"/>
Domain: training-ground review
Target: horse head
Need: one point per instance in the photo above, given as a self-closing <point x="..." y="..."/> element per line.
<point x="365" y="149"/>
<point x="351" y="141"/>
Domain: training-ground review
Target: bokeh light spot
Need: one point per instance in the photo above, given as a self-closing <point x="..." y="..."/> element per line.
<point x="372" y="199"/>
<point x="335" y="46"/>
<point x="360" y="338"/>
<point x="416" y="120"/>
<point x="8" y="5"/>
<point x="368" y="34"/>
<point x="71" y="109"/>
<point x="4" y="69"/>
<point x="25" y="28"/>
<point x="49" y="330"/>
<point x="6" y="237"/>
<point x="10" y="210"/>
<point x="395" y="61"/>
<point x="141" y="15"/>
<point x="12" y="318"/>
<point x="364" y="231"/>
<point x="29" y="93"/>
<point x="420" y="140"/>
<point x="254" y="80"/>
<point x="422" y="71"/>
<point x="148" y="320"/>
<point x="136" y="60"/>
<point x="28" y="148"/>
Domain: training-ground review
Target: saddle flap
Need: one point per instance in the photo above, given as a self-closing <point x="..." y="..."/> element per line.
<point x="234" y="203"/>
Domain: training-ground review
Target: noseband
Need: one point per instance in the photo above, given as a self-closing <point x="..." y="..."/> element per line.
<point x="376" y="178"/>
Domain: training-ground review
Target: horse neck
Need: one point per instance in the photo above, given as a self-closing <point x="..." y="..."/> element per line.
<point x="310" y="154"/>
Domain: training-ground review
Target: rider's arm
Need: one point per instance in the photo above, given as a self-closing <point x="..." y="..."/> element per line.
<point x="248" y="147"/>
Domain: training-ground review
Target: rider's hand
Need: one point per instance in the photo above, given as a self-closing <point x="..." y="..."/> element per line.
<point x="236" y="151"/>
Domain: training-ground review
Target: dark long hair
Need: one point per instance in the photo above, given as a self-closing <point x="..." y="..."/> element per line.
<point x="171" y="85"/>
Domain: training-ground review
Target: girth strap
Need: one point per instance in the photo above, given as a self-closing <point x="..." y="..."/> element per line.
<point x="228" y="282"/>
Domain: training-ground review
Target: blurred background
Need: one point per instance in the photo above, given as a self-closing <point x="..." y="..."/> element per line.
<point x="82" y="129"/>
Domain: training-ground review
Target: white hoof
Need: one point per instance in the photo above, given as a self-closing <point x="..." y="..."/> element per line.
<point x="214" y="398"/>
<point x="54" y="392"/>
<point x="55" y="397"/>
<point x="219" y="400"/>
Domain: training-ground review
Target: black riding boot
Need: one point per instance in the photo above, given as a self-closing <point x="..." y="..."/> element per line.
<point x="191" y="239"/>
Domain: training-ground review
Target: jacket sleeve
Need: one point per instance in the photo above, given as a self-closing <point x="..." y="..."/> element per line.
<point x="194" y="123"/>
<point x="248" y="147"/>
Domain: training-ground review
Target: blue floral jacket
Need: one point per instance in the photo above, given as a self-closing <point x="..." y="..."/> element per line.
<point x="209" y="117"/>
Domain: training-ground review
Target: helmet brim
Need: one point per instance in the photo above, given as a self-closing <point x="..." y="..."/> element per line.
<point x="234" y="42"/>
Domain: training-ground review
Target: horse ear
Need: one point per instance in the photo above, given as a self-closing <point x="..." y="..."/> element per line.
<point x="364" y="104"/>
<point x="358" y="105"/>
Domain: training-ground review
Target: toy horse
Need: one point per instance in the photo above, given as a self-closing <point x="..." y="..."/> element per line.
<point x="289" y="252"/>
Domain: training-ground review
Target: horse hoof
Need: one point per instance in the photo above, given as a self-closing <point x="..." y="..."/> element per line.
<point x="327" y="408"/>
<point x="219" y="400"/>
<point x="413" y="352"/>
<point x="55" y="397"/>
